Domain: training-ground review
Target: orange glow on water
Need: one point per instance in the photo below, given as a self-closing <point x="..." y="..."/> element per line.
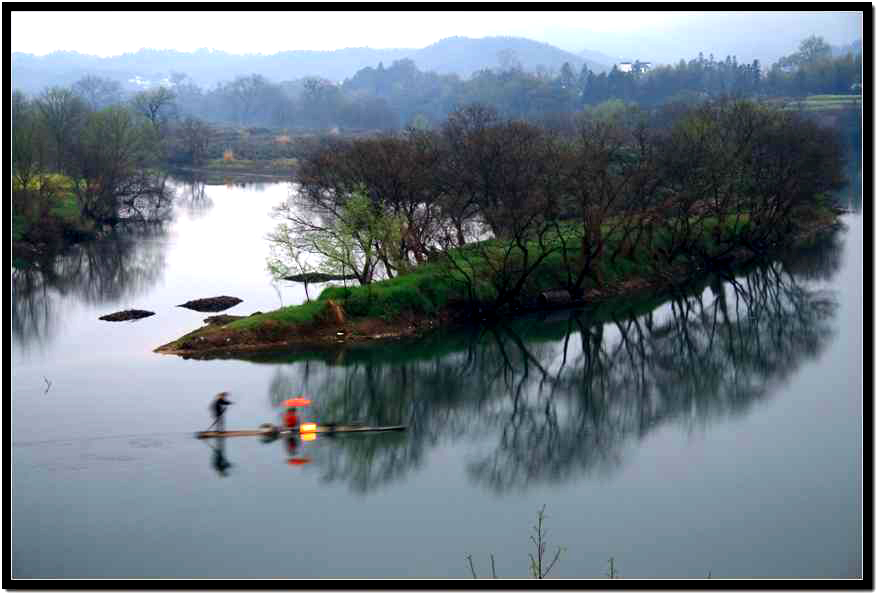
<point x="307" y="437"/>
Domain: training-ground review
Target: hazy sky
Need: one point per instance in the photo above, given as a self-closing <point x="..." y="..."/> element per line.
<point x="112" y="33"/>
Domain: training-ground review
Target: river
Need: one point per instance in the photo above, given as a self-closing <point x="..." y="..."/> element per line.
<point x="718" y="431"/>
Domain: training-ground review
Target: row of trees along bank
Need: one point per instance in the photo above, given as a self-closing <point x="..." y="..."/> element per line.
<point x="392" y="96"/>
<point x="78" y="165"/>
<point x="502" y="209"/>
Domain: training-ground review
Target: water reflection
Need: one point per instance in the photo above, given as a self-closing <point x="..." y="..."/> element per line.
<point x="192" y="197"/>
<point x="561" y="397"/>
<point x="219" y="462"/>
<point x="120" y="267"/>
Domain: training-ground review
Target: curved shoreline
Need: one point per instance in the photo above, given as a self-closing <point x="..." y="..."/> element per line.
<point x="330" y="331"/>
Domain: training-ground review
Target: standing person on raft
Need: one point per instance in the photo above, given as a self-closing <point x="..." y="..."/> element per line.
<point x="218" y="406"/>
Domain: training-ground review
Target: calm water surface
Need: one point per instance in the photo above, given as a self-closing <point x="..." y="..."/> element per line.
<point x="718" y="431"/>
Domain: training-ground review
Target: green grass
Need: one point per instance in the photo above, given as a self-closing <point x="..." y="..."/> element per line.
<point x="423" y="291"/>
<point x="230" y="164"/>
<point x="837" y="97"/>
<point x="431" y="287"/>
<point x="295" y="315"/>
<point x="58" y="181"/>
<point x="281" y="165"/>
<point x="825" y="102"/>
<point x="66" y="208"/>
<point x="287" y="163"/>
<point x="64" y="213"/>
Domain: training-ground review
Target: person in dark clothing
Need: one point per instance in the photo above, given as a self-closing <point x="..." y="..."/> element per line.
<point x="218" y="405"/>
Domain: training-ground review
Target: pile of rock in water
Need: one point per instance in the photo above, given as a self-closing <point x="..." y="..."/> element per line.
<point x="127" y="315"/>
<point x="211" y="305"/>
<point x="205" y="305"/>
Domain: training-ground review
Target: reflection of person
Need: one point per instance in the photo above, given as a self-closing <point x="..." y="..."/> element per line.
<point x="219" y="461"/>
<point x="218" y="405"/>
<point x="293" y="444"/>
<point x="290" y="418"/>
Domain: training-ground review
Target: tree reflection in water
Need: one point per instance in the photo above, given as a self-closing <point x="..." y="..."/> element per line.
<point x="110" y="270"/>
<point x="561" y="396"/>
<point x="191" y="195"/>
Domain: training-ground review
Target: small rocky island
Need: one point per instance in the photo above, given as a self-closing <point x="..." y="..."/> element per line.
<point x="128" y="315"/>
<point x="211" y="305"/>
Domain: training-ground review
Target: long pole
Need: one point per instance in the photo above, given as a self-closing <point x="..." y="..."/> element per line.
<point x="216" y="420"/>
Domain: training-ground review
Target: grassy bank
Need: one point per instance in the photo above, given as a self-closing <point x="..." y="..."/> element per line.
<point x="220" y="171"/>
<point x="45" y="215"/>
<point x="819" y="103"/>
<point x="251" y="154"/>
<point x="436" y="295"/>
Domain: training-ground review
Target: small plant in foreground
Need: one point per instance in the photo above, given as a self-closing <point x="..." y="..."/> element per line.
<point x="537" y="567"/>
<point x="612" y="573"/>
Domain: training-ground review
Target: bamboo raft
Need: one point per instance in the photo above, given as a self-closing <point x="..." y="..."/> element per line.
<point x="271" y="431"/>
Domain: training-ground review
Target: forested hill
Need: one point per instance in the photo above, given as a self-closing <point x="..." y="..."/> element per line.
<point x="459" y="55"/>
<point x="463" y="56"/>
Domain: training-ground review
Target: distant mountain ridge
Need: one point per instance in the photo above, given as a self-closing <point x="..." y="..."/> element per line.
<point x="600" y="57"/>
<point x="458" y="55"/>
<point x="464" y="55"/>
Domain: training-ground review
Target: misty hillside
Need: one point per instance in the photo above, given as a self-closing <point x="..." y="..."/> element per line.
<point x="463" y="55"/>
<point x="601" y="58"/>
<point x="459" y="55"/>
<point x="205" y="67"/>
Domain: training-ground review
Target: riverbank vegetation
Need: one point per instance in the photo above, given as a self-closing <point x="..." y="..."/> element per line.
<point x="77" y="170"/>
<point x="486" y="217"/>
<point x="87" y="158"/>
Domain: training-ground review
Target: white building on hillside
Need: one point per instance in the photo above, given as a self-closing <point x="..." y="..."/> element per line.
<point x="637" y="66"/>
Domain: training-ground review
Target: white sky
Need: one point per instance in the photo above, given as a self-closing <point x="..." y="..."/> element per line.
<point x="112" y="33"/>
<point x="269" y="32"/>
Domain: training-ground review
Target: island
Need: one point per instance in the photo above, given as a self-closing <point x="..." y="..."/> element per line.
<point x="486" y="218"/>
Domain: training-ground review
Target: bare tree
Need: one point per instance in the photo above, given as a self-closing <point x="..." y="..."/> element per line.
<point x="246" y="93"/>
<point x="397" y="174"/>
<point x="63" y="112"/>
<point x="156" y="105"/>
<point x="195" y="135"/>
<point x="98" y="92"/>
<point x="109" y="167"/>
<point x="506" y="171"/>
<point x="29" y="150"/>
